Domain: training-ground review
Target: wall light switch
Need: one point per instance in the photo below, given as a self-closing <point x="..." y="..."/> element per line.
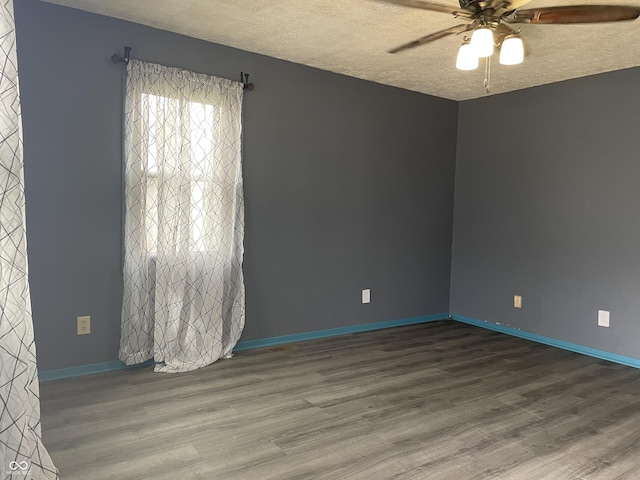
<point x="366" y="295"/>
<point x="603" y="318"/>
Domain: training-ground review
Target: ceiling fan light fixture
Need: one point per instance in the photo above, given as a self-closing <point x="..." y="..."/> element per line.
<point x="467" y="60"/>
<point x="482" y="42"/>
<point x="512" y="51"/>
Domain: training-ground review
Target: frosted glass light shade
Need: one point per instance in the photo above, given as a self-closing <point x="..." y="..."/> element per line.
<point x="482" y="42"/>
<point x="466" y="60"/>
<point x="512" y="51"/>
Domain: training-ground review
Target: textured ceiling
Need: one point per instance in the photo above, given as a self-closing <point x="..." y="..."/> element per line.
<point x="352" y="37"/>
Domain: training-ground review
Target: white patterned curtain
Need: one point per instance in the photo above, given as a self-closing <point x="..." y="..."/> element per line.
<point x="183" y="299"/>
<point x="22" y="454"/>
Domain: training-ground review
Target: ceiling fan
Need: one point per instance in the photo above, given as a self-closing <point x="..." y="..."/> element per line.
<point x="490" y="20"/>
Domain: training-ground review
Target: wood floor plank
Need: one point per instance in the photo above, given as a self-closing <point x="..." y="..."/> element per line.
<point x="441" y="400"/>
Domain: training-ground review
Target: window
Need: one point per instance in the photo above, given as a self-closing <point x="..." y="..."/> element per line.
<point x="197" y="176"/>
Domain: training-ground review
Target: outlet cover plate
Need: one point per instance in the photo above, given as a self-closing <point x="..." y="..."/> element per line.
<point x="84" y="325"/>
<point x="517" y="301"/>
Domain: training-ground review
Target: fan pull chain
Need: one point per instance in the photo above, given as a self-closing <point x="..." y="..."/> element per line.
<point x="487" y="73"/>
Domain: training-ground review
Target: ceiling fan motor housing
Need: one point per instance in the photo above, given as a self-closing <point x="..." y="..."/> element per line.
<point x="475" y="5"/>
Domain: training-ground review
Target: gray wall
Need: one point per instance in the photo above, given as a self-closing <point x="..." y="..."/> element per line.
<point x="547" y="205"/>
<point x="348" y="185"/>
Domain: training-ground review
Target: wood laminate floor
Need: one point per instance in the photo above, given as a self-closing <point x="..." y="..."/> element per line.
<point x="441" y="400"/>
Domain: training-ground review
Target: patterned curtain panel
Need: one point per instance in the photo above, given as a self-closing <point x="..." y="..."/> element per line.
<point x="22" y="455"/>
<point x="184" y="224"/>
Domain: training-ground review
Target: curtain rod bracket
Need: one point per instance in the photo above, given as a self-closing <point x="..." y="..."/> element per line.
<point x="115" y="58"/>
<point x="244" y="78"/>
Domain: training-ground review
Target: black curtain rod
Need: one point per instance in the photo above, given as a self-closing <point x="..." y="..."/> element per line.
<point x="117" y="59"/>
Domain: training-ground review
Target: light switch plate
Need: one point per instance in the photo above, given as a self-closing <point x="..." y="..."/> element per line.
<point x="366" y="295"/>
<point x="603" y="318"/>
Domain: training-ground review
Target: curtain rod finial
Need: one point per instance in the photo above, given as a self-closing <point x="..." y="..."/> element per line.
<point x="244" y="78"/>
<point x="115" y="58"/>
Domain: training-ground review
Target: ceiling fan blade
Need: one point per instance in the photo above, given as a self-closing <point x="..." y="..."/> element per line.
<point x="575" y="14"/>
<point x="433" y="7"/>
<point x="433" y="36"/>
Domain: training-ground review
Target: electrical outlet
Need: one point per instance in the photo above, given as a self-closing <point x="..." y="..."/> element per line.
<point x="603" y="318"/>
<point x="366" y="295"/>
<point x="84" y="325"/>
<point x="517" y="301"/>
